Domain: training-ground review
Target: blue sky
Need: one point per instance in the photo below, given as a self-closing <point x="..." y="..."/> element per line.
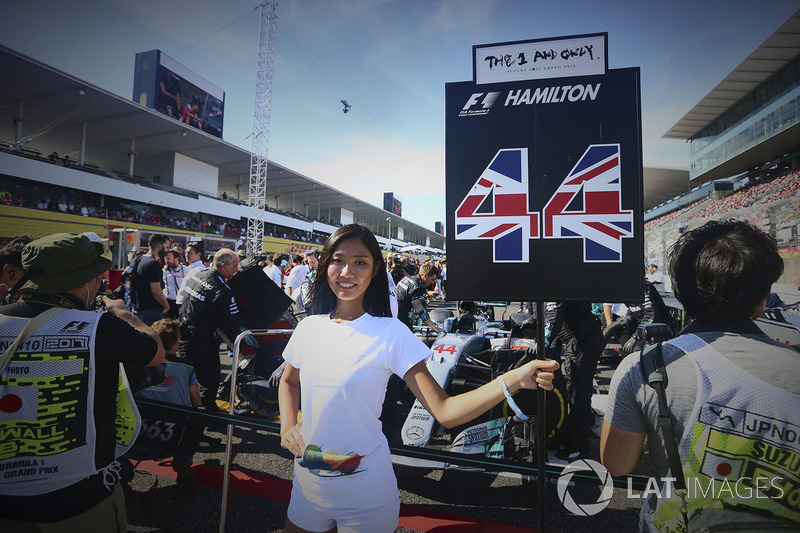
<point x="390" y="60"/>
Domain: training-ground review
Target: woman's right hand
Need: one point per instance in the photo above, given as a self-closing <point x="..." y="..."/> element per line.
<point x="292" y="441"/>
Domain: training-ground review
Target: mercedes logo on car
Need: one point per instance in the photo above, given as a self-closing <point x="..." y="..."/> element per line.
<point x="415" y="433"/>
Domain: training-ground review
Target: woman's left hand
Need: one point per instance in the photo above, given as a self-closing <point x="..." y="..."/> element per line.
<point x="536" y="374"/>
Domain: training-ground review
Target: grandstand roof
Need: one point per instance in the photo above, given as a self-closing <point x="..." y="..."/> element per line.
<point x="773" y="54"/>
<point x="662" y="184"/>
<point x="56" y="107"/>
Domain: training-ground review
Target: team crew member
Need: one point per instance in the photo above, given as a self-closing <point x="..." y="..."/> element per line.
<point x="194" y="256"/>
<point x="59" y="471"/>
<point x="731" y="395"/>
<point x="311" y="260"/>
<point x="302" y="296"/>
<point x="209" y="305"/>
<point x="273" y="271"/>
<point x="174" y="274"/>
<point x="411" y="292"/>
<point x="282" y="262"/>
<point x="339" y="361"/>
<point x="655" y="276"/>
<point x="574" y="331"/>
<point x="296" y="277"/>
<point x="147" y="295"/>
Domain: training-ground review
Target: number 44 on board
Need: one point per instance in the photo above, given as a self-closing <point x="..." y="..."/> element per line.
<point x="587" y="205"/>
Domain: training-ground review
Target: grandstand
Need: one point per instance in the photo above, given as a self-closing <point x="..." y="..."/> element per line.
<point x="745" y="145"/>
<point x="74" y="157"/>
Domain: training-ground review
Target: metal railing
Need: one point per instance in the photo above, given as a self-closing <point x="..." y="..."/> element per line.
<point x="232" y="400"/>
<point x="538" y="471"/>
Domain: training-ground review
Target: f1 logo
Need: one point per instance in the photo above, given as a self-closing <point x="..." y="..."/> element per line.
<point x="74" y="326"/>
<point x="487" y="102"/>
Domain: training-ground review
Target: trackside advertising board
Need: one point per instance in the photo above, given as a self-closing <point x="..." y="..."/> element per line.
<point x="544" y="188"/>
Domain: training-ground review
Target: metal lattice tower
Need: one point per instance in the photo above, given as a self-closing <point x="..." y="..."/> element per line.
<point x="257" y="196"/>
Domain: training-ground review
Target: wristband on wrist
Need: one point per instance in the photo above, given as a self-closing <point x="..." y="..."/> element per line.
<point x="510" y="400"/>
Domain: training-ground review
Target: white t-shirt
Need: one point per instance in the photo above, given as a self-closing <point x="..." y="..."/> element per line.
<point x="173" y="279"/>
<point x="274" y="273"/>
<point x="344" y="370"/>
<point x="296" y="276"/>
<point x="197" y="264"/>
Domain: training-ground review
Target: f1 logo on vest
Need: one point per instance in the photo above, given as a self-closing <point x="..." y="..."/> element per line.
<point x="74" y="326"/>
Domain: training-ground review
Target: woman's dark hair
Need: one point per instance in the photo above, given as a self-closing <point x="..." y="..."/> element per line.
<point x="376" y="298"/>
<point x="722" y="270"/>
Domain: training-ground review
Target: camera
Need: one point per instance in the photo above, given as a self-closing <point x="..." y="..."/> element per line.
<point x="652" y="333"/>
<point x="140" y="378"/>
<point x="98" y="305"/>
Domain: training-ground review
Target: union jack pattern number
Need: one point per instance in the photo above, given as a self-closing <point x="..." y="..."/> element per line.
<point x="587" y="205"/>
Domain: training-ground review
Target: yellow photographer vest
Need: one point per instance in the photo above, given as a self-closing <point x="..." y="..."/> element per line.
<point x="47" y="422"/>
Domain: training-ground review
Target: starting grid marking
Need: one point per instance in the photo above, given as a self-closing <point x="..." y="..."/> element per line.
<point x="411" y="516"/>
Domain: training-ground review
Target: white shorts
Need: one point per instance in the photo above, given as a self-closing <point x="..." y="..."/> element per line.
<point x="314" y="517"/>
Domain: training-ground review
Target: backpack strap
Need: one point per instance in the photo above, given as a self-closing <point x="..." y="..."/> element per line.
<point x="655" y="374"/>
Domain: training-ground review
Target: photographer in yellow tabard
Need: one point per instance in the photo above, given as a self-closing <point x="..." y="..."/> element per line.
<point x="65" y="411"/>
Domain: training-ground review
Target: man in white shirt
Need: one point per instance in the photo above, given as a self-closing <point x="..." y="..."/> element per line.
<point x="194" y="255"/>
<point x="654" y="275"/>
<point x="298" y="274"/>
<point x="174" y="274"/>
<point x="276" y="266"/>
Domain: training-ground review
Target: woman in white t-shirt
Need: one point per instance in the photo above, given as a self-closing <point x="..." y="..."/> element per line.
<point x="339" y="361"/>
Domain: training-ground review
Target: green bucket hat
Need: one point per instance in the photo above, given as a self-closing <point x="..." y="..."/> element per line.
<point x="63" y="261"/>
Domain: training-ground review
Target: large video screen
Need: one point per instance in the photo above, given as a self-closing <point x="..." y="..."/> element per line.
<point x="160" y="82"/>
<point x="392" y="204"/>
